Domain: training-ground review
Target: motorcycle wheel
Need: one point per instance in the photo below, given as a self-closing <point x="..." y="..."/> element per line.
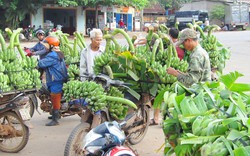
<point x="31" y="106"/>
<point x="74" y="143"/>
<point x="12" y="143"/>
<point x="136" y="137"/>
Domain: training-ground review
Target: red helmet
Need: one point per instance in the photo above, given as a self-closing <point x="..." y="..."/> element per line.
<point x="52" y="41"/>
<point x="119" y="151"/>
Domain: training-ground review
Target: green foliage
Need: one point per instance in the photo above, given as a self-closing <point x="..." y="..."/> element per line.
<point x="214" y="120"/>
<point x="173" y="4"/>
<point x="15" y="11"/>
<point x="139" y="4"/>
<point x="218" y="12"/>
<point x="66" y="3"/>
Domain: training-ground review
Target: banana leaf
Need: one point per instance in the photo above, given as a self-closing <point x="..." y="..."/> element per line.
<point x="159" y="99"/>
<point x="198" y="139"/>
<point x="230" y="79"/>
<point x="228" y="121"/>
<point x="183" y="150"/>
<point x="227" y="144"/>
<point x="242" y="114"/>
<point x="133" y="75"/>
<point x="234" y="134"/>
<point x="134" y="93"/>
<point x="242" y="151"/>
<point x="153" y="89"/>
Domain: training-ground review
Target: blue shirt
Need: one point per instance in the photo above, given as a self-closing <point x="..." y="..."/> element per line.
<point x="51" y="63"/>
<point x="39" y="49"/>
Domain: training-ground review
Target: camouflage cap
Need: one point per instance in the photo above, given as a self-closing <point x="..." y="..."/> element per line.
<point x="187" y="33"/>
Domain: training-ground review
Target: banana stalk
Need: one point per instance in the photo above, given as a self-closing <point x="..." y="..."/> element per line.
<point x="109" y="38"/>
<point x="156" y="45"/>
<point x="121" y="31"/>
<point x="122" y="100"/>
<point x="2" y="42"/>
<point x="81" y="39"/>
<point x="19" y="46"/>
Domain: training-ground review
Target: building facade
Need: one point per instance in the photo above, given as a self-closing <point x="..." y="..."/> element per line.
<point x="72" y="19"/>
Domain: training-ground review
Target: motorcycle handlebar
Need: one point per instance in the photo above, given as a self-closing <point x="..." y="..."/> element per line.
<point x="106" y="79"/>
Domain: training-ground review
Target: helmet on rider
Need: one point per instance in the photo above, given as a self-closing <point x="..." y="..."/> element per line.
<point x="50" y="41"/>
<point x="40" y="32"/>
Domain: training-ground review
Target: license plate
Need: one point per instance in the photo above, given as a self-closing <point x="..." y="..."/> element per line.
<point x="25" y="114"/>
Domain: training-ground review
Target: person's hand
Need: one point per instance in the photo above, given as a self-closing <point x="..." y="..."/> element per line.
<point x="172" y="71"/>
<point x="29" y="54"/>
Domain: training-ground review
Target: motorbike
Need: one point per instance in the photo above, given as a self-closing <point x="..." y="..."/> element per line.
<point x="14" y="132"/>
<point x="136" y="126"/>
<point x="29" y="33"/>
<point x="107" y="139"/>
<point x="67" y="109"/>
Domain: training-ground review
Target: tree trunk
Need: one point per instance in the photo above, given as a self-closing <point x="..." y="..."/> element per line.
<point x="141" y="20"/>
<point x="96" y="17"/>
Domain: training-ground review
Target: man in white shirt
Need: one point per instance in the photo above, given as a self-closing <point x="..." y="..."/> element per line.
<point x="93" y="50"/>
<point x="87" y="62"/>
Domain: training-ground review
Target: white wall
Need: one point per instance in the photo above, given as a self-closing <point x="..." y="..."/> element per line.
<point x="80" y="20"/>
<point x="38" y="18"/>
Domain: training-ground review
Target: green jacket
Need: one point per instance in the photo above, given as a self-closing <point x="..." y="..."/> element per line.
<point x="199" y="69"/>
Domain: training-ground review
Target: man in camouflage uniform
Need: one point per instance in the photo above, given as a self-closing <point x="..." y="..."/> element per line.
<point x="199" y="69"/>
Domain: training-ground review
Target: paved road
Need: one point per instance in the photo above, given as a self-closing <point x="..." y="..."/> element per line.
<point x="50" y="141"/>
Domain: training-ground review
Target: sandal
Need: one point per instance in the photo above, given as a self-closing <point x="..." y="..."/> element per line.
<point x="152" y="122"/>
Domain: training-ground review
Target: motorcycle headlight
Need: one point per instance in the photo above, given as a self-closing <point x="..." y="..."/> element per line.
<point x="90" y="137"/>
<point x="93" y="142"/>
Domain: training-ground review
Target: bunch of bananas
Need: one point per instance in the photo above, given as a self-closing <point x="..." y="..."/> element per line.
<point x="71" y="50"/>
<point x="73" y="71"/>
<point x="2" y="67"/>
<point x="181" y="65"/>
<point x="4" y="80"/>
<point x="92" y="92"/>
<point x="29" y="63"/>
<point x="161" y="72"/>
<point x="102" y="61"/>
<point x="162" y="57"/>
<point x="25" y="79"/>
<point x="8" y="55"/>
<point x="17" y="71"/>
<point x="142" y="52"/>
<point x="117" y="110"/>
<point x="209" y="43"/>
<point x="217" y="53"/>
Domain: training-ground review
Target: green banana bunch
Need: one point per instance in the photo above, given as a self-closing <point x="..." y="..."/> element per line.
<point x="117" y="110"/>
<point x="8" y="55"/>
<point x="2" y="67"/>
<point x="13" y="66"/>
<point x="29" y="63"/>
<point x="102" y="61"/>
<point x="4" y="80"/>
<point x="92" y="92"/>
<point x="73" y="71"/>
